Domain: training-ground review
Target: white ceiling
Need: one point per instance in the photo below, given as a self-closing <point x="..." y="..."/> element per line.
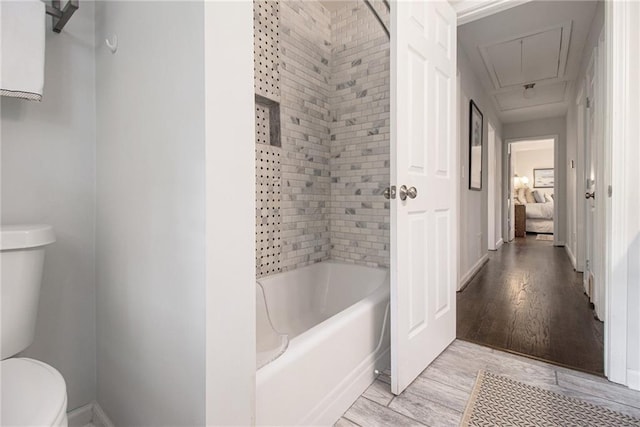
<point x="540" y="144"/>
<point x="537" y="42"/>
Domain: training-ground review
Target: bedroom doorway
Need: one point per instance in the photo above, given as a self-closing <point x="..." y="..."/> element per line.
<point x="532" y="189"/>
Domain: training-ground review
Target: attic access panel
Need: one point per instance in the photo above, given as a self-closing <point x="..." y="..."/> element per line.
<point x="532" y="57"/>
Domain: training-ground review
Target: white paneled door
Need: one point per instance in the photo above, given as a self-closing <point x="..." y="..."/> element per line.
<point x="424" y="158"/>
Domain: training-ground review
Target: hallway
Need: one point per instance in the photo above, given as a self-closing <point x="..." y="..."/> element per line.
<point x="528" y="299"/>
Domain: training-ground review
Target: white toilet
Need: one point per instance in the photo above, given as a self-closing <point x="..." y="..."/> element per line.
<point x="33" y="393"/>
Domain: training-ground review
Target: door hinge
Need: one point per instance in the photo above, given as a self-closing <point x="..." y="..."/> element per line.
<point x="610" y="191"/>
<point x="588" y="103"/>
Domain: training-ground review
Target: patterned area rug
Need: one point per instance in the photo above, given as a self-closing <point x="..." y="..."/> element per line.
<point x="499" y="401"/>
<point x="544" y="237"/>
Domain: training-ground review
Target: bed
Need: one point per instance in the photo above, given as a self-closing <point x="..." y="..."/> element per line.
<point x="539" y="215"/>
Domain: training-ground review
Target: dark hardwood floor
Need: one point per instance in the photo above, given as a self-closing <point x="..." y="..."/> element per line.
<point x="528" y="299"/>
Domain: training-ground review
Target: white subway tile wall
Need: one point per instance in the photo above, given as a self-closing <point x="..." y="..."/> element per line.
<point x="305" y="41"/>
<point x="359" y="100"/>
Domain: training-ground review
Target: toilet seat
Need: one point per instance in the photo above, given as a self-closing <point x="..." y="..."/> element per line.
<point x="33" y="394"/>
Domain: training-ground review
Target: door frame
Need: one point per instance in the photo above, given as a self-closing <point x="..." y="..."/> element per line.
<point x="593" y="75"/>
<point x="509" y="180"/>
<point x="230" y="329"/>
<point x="622" y="41"/>
<point x="580" y="218"/>
<point x="494" y="189"/>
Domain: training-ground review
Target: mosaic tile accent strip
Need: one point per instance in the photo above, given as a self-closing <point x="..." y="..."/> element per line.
<point x="360" y="136"/>
<point x="266" y="48"/>
<point x="268" y="218"/>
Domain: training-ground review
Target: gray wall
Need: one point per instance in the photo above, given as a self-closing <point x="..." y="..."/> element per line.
<point x="48" y="176"/>
<point x="473" y="209"/>
<point x="151" y="213"/>
<point x="535" y="129"/>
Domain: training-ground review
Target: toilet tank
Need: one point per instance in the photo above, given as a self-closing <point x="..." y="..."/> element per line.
<point x="21" y="260"/>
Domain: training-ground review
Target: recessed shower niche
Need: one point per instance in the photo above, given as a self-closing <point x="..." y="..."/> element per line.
<point x="267" y="121"/>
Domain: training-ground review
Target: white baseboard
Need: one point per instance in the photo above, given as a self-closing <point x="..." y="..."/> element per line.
<point x="100" y="418"/>
<point x="90" y="413"/>
<point x="464" y="280"/>
<point x="81" y="416"/>
<point x="499" y="243"/>
<point x="571" y="256"/>
<point x="633" y="379"/>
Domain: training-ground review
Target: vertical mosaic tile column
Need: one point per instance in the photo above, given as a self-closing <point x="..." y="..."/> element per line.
<point x="268" y="222"/>
<point x="266" y="21"/>
<point x="266" y="48"/>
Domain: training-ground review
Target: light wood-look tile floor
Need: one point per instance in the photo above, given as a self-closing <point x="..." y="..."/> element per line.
<point x="439" y="395"/>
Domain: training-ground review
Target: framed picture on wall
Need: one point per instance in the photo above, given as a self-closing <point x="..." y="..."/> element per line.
<point x="543" y="178"/>
<point x="475" y="147"/>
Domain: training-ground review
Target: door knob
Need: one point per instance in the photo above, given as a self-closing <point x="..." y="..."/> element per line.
<point x="591" y="195"/>
<point x="412" y="193"/>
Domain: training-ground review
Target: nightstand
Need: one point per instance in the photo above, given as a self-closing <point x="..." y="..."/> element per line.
<point x="521" y="220"/>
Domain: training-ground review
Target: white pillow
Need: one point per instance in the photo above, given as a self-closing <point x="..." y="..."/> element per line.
<point x="529" y="195"/>
<point x="538" y="196"/>
<point x="547" y="198"/>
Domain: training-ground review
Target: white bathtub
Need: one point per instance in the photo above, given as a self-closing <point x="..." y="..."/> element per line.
<point x="336" y="318"/>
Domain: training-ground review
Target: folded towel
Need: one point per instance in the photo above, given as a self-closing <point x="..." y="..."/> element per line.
<point x="22" y="48"/>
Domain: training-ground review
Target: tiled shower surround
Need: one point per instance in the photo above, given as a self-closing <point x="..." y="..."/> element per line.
<point x="332" y="83"/>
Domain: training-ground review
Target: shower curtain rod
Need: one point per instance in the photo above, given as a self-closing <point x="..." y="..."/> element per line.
<point x="375" y="13"/>
<point x="61" y="16"/>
